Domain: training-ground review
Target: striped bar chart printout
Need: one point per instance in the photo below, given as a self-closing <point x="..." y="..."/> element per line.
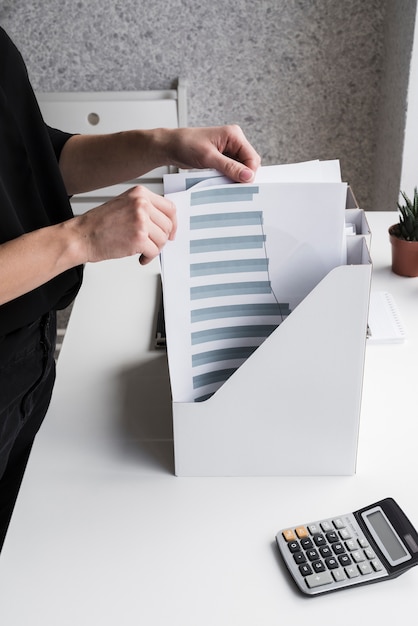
<point x="244" y="257"/>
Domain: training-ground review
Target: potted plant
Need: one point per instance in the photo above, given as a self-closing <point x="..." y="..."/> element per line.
<point x="404" y="237"/>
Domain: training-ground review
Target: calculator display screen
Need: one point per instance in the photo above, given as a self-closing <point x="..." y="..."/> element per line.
<point x="386" y="536"/>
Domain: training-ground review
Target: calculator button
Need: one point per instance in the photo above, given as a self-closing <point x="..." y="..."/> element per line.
<point x="312" y="555"/>
<point x="338" y="574"/>
<point x="317" y="580"/>
<point x="369" y="553"/>
<point x="305" y="569"/>
<point x="332" y="562"/>
<point x="338" y="523"/>
<point x="344" y="559"/>
<point x="326" y="526"/>
<point x="299" y="557"/>
<point x="318" y="566"/>
<point x="325" y="551"/>
<point x="365" y="568"/>
<point x="294" y="546"/>
<point x="352" y="571"/>
<point x="301" y="532"/>
<point x="314" y="529"/>
<point x="351" y="545"/>
<point x="289" y="535"/>
<point x="345" y="534"/>
<point x="377" y="566"/>
<point x="338" y="548"/>
<point x="358" y="556"/>
<point x="319" y="540"/>
<point x="332" y="536"/>
<point x="363" y="543"/>
<point x="306" y="543"/>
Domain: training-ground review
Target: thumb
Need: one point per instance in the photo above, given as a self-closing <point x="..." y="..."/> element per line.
<point x="235" y="170"/>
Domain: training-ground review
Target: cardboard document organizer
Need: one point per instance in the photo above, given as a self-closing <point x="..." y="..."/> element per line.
<point x="293" y="407"/>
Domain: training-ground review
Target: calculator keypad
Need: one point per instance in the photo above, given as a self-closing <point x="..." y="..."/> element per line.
<point x="329" y="554"/>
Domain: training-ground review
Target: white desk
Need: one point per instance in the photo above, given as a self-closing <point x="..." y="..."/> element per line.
<point x="104" y="534"/>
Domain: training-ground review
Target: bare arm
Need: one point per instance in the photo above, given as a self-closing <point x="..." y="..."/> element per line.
<point x="92" y="161"/>
<point x="136" y="222"/>
<point x="33" y="259"/>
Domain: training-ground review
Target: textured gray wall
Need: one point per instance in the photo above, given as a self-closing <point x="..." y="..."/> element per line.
<point x="398" y="38"/>
<point x="302" y="77"/>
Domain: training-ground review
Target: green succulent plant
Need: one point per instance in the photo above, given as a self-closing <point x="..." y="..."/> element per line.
<point x="408" y="218"/>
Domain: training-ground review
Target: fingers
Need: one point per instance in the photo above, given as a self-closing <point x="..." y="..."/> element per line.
<point x="156" y="223"/>
<point x="239" y="160"/>
<point x="141" y="222"/>
<point x="159" y="224"/>
<point x="235" y="170"/>
<point x="136" y="222"/>
<point x="224" y="148"/>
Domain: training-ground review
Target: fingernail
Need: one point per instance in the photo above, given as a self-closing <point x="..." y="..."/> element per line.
<point x="246" y="175"/>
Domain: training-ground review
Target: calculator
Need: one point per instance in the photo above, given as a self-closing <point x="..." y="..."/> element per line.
<point x="372" y="544"/>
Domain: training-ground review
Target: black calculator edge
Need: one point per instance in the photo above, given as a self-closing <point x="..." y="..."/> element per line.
<point x="394" y="511"/>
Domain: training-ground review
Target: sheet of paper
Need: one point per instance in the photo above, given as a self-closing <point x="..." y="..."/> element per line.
<point x="307" y="172"/>
<point x="385" y="322"/>
<point x="244" y="257"/>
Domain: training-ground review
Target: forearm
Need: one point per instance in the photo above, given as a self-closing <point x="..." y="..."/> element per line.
<point x="35" y="258"/>
<point x="136" y="222"/>
<point x="90" y="162"/>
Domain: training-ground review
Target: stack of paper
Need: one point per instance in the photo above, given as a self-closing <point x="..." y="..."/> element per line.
<point x="245" y="255"/>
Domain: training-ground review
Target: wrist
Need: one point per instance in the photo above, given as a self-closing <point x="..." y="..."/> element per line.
<point x="74" y="243"/>
<point x="161" y="142"/>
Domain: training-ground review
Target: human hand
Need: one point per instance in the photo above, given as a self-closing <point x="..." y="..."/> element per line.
<point x="224" y="148"/>
<point x="136" y="222"/>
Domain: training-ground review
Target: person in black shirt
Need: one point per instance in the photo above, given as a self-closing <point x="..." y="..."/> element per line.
<point x="43" y="247"/>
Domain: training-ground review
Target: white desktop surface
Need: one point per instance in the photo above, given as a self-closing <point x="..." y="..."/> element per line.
<point x="104" y="533"/>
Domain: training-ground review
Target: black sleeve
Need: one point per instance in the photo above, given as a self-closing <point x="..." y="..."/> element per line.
<point x="58" y="139"/>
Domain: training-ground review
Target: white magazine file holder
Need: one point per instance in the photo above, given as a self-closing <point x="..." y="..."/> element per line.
<point x="293" y="407"/>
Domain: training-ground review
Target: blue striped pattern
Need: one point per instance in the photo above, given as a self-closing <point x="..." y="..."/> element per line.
<point x="228" y="267"/>
<point x="218" y="244"/>
<point x="230" y="289"/>
<point x="238" y="310"/>
<point x="241" y="193"/>
<point x="224" y="354"/>
<point x="225" y="220"/>
<point x="233" y="332"/>
<point x="218" y="376"/>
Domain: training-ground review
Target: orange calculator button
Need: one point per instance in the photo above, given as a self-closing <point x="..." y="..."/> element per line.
<point x="302" y="532"/>
<point x="289" y="535"/>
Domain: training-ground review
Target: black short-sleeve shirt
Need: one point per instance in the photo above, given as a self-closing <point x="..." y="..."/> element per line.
<point x="32" y="192"/>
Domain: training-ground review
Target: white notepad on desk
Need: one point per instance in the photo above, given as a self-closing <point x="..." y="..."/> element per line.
<point x="385" y="323"/>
